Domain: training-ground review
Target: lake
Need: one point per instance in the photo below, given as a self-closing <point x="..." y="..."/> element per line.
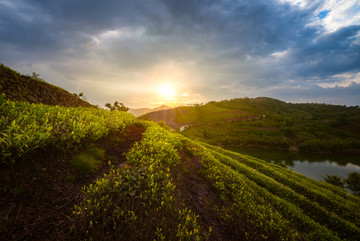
<point x="315" y="166"/>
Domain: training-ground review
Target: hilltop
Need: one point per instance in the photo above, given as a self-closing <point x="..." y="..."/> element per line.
<point x="34" y="90"/>
<point x="268" y="123"/>
<point x="90" y="174"/>
<point x="143" y="111"/>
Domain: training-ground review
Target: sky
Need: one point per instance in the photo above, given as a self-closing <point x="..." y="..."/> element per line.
<point x="145" y="53"/>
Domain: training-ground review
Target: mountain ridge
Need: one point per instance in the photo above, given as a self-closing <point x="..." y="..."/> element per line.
<point x="142" y="111"/>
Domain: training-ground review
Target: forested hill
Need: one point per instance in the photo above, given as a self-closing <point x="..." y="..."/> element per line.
<point x="32" y="89"/>
<point x="268" y="123"/>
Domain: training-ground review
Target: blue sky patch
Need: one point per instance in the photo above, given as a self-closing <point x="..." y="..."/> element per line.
<point x="323" y="14"/>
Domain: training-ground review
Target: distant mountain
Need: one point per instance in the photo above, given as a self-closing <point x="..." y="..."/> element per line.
<point x="143" y="111"/>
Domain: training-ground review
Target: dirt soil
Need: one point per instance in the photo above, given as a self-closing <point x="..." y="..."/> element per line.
<point x="38" y="203"/>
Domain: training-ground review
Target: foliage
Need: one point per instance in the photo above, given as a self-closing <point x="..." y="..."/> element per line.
<point x="318" y="212"/>
<point x="14" y="73"/>
<point x="163" y="125"/>
<point x="24" y="127"/>
<point x="35" y="76"/>
<point x="270" y="123"/>
<point x="81" y="96"/>
<point x="117" y="106"/>
<point x="136" y="202"/>
<point x="353" y="182"/>
<point x="257" y="220"/>
<point x="334" y="180"/>
<point x="332" y="198"/>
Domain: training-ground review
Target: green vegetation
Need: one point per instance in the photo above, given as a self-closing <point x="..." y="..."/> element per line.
<point x="270" y="123"/>
<point x="334" y="180"/>
<point x="353" y="182"/>
<point x="141" y="199"/>
<point x="310" y="203"/>
<point x="24" y="127"/>
<point x="14" y="73"/>
<point x="117" y="106"/>
<point x="34" y="76"/>
<point x="88" y="160"/>
<point x="136" y="202"/>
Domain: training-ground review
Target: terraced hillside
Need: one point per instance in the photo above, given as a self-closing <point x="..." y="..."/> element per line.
<point x="80" y="173"/>
<point x="32" y="89"/>
<point x="268" y="123"/>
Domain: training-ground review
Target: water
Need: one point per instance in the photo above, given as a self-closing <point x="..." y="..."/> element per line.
<point x="315" y="166"/>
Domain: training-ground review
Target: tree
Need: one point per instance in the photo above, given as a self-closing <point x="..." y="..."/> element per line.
<point x="117" y="106"/>
<point x="334" y="180"/>
<point x="35" y="75"/>
<point x="108" y="105"/>
<point x="353" y="182"/>
<point x="120" y="106"/>
<point x="81" y="96"/>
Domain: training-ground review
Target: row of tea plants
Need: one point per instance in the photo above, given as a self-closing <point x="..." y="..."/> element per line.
<point x="25" y="127"/>
<point x="135" y="201"/>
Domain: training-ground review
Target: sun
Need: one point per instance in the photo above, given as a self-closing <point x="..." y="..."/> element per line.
<point x="167" y="91"/>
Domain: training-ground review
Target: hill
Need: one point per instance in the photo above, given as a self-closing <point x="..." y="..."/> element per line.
<point x="80" y="173"/>
<point x="268" y="123"/>
<point x="34" y="90"/>
<point x="143" y="111"/>
<point x="108" y="176"/>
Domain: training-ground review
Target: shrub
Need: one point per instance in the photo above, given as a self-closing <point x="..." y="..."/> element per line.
<point x="334" y="180"/>
<point x="353" y="182"/>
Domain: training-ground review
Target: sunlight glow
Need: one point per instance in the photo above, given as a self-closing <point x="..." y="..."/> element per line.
<point x="167" y="91"/>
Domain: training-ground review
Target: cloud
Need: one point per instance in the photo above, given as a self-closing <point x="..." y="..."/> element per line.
<point x="329" y="54"/>
<point x="219" y="49"/>
<point x="342" y="81"/>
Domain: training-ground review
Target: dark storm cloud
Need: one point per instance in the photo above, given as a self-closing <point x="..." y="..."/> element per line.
<point x="239" y="27"/>
<point x="44" y="25"/>
<point x="331" y="54"/>
<point x="234" y="42"/>
<point x="24" y="27"/>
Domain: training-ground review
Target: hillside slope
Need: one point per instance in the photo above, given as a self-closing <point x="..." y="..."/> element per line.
<point x="143" y="111"/>
<point x="268" y="123"/>
<point x="89" y="174"/>
<point x="150" y="184"/>
<point x="25" y="88"/>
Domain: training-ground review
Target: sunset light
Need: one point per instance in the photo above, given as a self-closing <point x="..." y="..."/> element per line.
<point x="167" y="91"/>
<point x="180" y="120"/>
